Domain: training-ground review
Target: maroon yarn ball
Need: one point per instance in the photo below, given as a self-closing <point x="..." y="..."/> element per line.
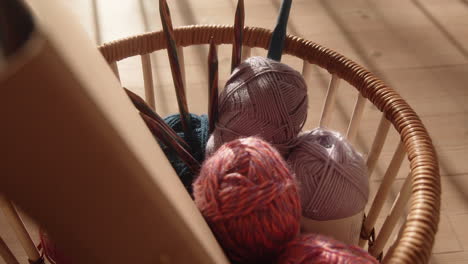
<point x="318" y="249"/>
<point x="50" y="250"/>
<point x="249" y="198"/>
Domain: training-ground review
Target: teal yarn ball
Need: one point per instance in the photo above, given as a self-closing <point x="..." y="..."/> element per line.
<point x="197" y="143"/>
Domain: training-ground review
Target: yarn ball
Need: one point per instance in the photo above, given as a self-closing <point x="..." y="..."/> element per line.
<point x="332" y="175"/>
<point x="262" y="98"/>
<point x="249" y="198"/>
<point x="197" y="143"/>
<point x="50" y="250"/>
<point x="312" y="248"/>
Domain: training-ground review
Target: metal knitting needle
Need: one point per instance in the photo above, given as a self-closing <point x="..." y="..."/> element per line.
<point x="238" y="35"/>
<point x="212" y="86"/>
<point x="279" y="33"/>
<point x="160" y="133"/>
<point x="144" y="108"/>
<point x="175" y="67"/>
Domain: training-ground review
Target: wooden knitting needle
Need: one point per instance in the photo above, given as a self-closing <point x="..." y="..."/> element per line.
<point x="163" y="132"/>
<point x="6" y="253"/>
<point x="238" y="35"/>
<point x="213" y="86"/>
<point x="175" y="67"/>
<point x="279" y="33"/>
<point x="143" y="107"/>
<point x="159" y="132"/>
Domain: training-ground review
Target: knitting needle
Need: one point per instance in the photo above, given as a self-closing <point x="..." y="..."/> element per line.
<point x="143" y="107"/>
<point x="163" y="132"/>
<point x="279" y="33"/>
<point x="175" y="66"/>
<point x="238" y="35"/>
<point x="159" y="132"/>
<point x="213" y="86"/>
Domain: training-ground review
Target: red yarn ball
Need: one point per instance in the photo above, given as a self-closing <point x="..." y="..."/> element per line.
<point x="249" y="198"/>
<point x="318" y="249"/>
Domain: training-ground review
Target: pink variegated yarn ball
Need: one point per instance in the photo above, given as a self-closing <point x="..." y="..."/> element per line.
<point x="318" y="249"/>
<point x="249" y="198"/>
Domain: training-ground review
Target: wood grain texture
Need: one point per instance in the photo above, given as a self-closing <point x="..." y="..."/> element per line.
<point x="418" y="52"/>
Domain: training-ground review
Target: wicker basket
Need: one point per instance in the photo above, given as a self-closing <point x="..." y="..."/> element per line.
<point x="422" y="186"/>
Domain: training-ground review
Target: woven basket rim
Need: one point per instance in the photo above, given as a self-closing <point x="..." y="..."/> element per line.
<point x="424" y="212"/>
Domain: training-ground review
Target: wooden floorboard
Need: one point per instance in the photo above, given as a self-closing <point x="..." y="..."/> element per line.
<point x="418" y="47"/>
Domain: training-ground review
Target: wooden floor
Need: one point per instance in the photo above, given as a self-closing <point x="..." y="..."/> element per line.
<point x="419" y="47"/>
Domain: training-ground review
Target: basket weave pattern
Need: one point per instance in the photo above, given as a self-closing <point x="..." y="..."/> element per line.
<point x="417" y="235"/>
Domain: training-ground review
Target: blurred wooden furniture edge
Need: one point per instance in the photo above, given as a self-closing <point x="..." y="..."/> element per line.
<point x="78" y="158"/>
<point x="418" y="233"/>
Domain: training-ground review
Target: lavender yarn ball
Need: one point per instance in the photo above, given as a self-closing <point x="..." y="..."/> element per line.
<point x="332" y="175"/>
<point x="262" y="98"/>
